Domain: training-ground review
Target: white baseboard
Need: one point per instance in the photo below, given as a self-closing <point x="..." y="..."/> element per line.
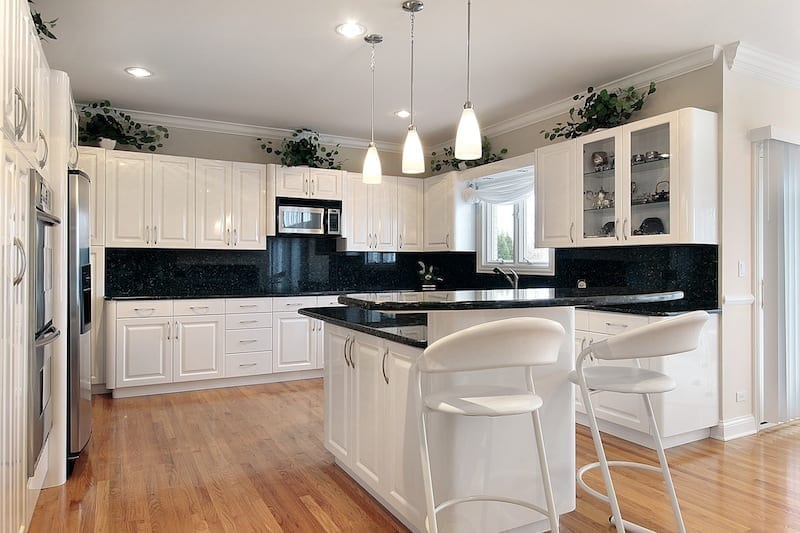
<point x="733" y="428"/>
<point x="100" y="388"/>
<point x="644" y="439"/>
<point x="167" y="388"/>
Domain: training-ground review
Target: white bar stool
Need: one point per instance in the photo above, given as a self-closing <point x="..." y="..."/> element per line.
<point x="515" y="342"/>
<point x="672" y="336"/>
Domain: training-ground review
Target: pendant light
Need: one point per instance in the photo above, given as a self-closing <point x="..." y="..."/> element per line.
<point x="468" y="135"/>
<point x="413" y="159"/>
<point x="371" y="172"/>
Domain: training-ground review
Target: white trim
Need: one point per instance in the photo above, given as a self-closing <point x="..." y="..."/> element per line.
<point x="247" y="130"/>
<point x="641" y="438"/>
<point x="738" y="299"/>
<point x="772" y="133"/>
<point x="734" y="428"/>
<point x="512" y="163"/>
<point x="741" y="57"/>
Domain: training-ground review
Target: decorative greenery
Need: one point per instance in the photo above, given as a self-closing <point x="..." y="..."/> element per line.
<point x="450" y="160"/>
<point x="43" y="27"/>
<point x="100" y="120"/>
<point x="303" y="149"/>
<point x="505" y="247"/>
<point x="604" y="109"/>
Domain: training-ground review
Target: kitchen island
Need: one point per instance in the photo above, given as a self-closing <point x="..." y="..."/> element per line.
<point x="370" y="417"/>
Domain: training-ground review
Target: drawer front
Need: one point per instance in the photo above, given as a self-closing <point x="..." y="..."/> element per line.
<point x="248" y="321"/>
<point x="614" y="323"/>
<point x="331" y="300"/>
<point x="248" y="364"/>
<point x="293" y="303"/>
<point x="248" y="305"/>
<point x="199" y="307"/>
<point x="144" y="308"/>
<point x="248" y="340"/>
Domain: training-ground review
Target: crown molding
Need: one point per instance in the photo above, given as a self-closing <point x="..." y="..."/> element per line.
<point x="767" y="133"/>
<point x="741" y="57"/>
<point x="247" y="130"/>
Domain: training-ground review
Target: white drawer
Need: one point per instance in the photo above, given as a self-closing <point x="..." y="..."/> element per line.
<point x="248" y="364"/>
<point x="248" y="321"/>
<point x="613" y="323"/>
<point x="331" y="300"/>
<point x="198" y="307"/>
<point x="144" y="308"/>
<point x="294" y="303"/>
<point x="582" y="320"/>
<point x="248" y="305"/>
<point x="248" y="340"/>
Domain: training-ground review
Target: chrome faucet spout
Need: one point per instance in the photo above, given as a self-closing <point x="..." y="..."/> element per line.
<point x="511" y="276"/>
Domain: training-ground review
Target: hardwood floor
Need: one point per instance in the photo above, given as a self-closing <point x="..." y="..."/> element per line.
<point x="252" y="459"/>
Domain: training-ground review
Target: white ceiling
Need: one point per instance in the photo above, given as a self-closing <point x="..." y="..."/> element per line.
<point x="280" y="64"/>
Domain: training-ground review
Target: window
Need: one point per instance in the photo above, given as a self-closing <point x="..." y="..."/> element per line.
<point x="507" y="238"/>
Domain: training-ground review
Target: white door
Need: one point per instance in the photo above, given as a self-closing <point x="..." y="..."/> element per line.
<point x="367" y="410"/>
<point x="383" y="211"/>
<point x="409" y="214"/>
<point x="199" y="346"/>
<point x="325" y="184"/>
<point x="173" y="202"/>
<point x="249" y="206"/>
<point x="337" y="393"/>
<point x="144" y="351"/>
<point x="403" y="477"/>
<point x="438" y="213"/>
<point x="93" y="162"/>
<point x="129" y="190"/>
<point x="356" y="206"/>
<point x="213" y="203"/>
<point x="555" y="179"/>
<point x="97" y="261"/>
<point x="293" y="348"/>
<point x="291" y="182"/>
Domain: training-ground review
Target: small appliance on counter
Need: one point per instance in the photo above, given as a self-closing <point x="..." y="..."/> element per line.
<point x="297" y="217"/>
<point x="79" y="313"/>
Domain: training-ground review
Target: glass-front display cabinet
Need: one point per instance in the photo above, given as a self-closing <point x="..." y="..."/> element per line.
<point x="601" y="179"/>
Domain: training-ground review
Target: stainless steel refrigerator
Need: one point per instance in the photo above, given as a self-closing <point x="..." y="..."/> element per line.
<point x="79" y="346"/>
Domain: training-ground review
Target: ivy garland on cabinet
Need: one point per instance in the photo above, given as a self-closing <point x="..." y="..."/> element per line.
<point x="101" y="121"/>
<point x="450" y="159"/>
<point x="43" y="27"/>
<point x="303" y="148"/>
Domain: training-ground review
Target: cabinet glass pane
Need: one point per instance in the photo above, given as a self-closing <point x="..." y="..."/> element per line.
<point x="650" y="180"/>
<point x="599" y="186"/>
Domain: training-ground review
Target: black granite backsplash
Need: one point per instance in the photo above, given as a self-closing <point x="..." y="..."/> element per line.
<point x="307" y="265"/>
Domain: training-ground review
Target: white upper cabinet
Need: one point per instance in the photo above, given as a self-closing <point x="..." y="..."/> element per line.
<point x="213" y="203"/>
<point x="305" y="182"/>
<point x="129" y="203"/>
<point x="371" y="214"/>
<point x="449" y="217"/>
<point x="555" y="196"/>
<point x="383" y="215"/>
<point x="10" y="57"/>
<point x="173" y="202"/>
<point x="92" y="161"/>
<point x="410" y="214"/>
<point x="356" y="207"/>
<point x="249" y="196"/>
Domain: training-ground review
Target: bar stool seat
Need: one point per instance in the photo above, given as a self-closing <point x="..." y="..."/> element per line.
<point x="624" y="379"/>
<point x="483" y="401"/>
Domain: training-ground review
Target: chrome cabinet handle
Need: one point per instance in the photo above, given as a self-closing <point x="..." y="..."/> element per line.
<point x="43" y="161"/>
<point x="147" y="236"/>
<point x="177" y="329"/>
<point x="305" y="185"/>
<point x="193" y="307"/>
<point x="624" y="231"/>
<point x="247" y="364"/>
<point x="248" y="321"/>
<point x="616" y="229"/>
<point x="344" y="351"/>
<point x="615" y="325"/>
<point x="137" y="309"/>
<point x="350" y="353"/>
<point x="169" y="330"/>
<point x="572" y="232"/>
<point x="292" y="305"/>
<point x="52" y="335"/>
<point x="245" y="306"/>
<point x="447" y="241"/>
<point x="74" y="162"/>
<point x="24" y="266"/>
<point x="228" y="237"/>
<point x="311" y="188"/>
<point x="155" y="234"/>
<point x="248" y="341"/>
<point x="235" y="237"/>
<point x="20" y="128"/>
<point x="383" y="366"/>
<point x="400" y="237"/>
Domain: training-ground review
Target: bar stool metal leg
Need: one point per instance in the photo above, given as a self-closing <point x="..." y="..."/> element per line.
<point x="548" y="487"/>
<point x="430" y="520"/>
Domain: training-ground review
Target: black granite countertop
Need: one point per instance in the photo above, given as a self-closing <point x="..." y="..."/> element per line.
<point x="672" y="308"/>
<point x="404" y="328"/>
<point x="225" y="295"/>
<point x="502" y="299"/>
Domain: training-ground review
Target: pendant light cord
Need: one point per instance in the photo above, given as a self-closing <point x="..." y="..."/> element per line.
<point x="469" y="32"/>
<point x="372" y="105"/>
<point x="412" y="68"/>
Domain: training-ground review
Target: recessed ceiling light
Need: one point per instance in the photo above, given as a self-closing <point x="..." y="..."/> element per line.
<point x="351" y="29"/>
<point x="402" y="113"/>
<point x="138" y="72"/>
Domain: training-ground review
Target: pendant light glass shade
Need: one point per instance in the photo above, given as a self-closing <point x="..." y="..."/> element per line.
<point x="413" y="158"/>
<point x="372" y="173"/>
<point x="468" y="136"/>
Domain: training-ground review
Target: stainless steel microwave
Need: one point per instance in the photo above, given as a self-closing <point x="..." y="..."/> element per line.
<point x="308" y="217"/>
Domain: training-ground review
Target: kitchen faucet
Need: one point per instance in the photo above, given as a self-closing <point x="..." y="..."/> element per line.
<point x="513" y="277"/>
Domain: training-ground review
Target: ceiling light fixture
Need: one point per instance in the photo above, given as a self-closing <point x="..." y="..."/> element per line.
<point x="138" y="72"/>
<point x="402" y="113"/>
<point x="468" y="135"/>
<point x="351" y="29"/>
<point x="371" y="172"/>
<point x="413" y="160"/>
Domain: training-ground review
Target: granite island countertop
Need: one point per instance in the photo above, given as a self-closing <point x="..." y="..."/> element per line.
<point x="404" y="328"/>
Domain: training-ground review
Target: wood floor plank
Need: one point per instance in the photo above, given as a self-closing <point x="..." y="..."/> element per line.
<point x="253" y="459"/>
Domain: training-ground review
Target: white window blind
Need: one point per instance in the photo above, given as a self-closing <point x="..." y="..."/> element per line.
<point x="505" y="188"/>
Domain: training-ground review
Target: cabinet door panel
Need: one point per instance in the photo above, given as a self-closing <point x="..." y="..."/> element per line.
<point x="129" y="191"/>
<point x="368" y="409"/>
<point x="337" y="393"/>
<point x="357" y="213"/>
<point x="199" y="348"/>
<point x="93" y="162"/>
<point x="173" y="201"/>
<point x="438" y="213"/>
<point x="249" y="193"/>
<point x="213" y="203"/>
<point x="9" y="43"/>
<point x="144" y="351"/>
<point x="383" y="214"/>
<point x="555" y="195"/>
<point x="325" y="184"/>
<point x="291" y="182"/>
<point x="293" y="348"/>
<point x="409" y="214"/>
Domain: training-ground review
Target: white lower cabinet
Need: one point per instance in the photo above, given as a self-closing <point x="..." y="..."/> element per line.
<point x="293" y="342"/>
<point x="199" y="346"/>
<point x="367" y="408"/>
<point x="248" y="336"/>
<point x="144" y="351"/>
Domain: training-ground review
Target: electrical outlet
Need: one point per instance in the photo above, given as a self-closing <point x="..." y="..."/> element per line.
<point x="740" y="396"/>
<point x="581" y="283"/>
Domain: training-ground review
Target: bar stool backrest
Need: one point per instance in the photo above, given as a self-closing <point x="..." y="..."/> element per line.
<point x="512" y="342"/>
<point x="671" y="336"/>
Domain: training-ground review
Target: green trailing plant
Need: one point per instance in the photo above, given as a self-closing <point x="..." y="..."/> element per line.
<point x="604" y="109"/>
<point x="100" y="120"/>
<point x="449" y="157"/>
<point x="303" y="148"/>
<point x="44" y="28"/>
